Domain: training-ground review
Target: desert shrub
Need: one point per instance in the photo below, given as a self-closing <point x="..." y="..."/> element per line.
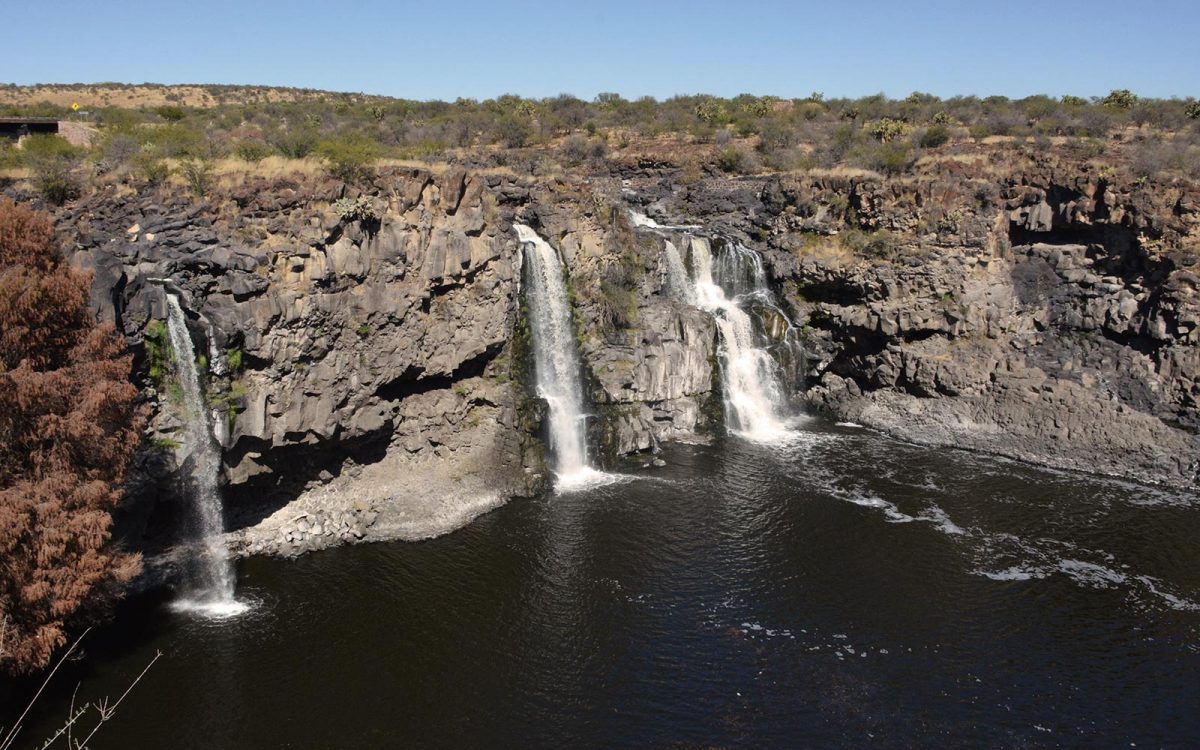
<point x="891" y="158"/>
<point x="53" y="163"/>
<point x="170" y="112"/>
<point x="350" y="158"/>
<point x="880" y="244"/>
<point x="150" y="169"/>
<point x="69" y="425"/>
<point x="355" y="209"/>
<point x="1073" y="101"/>
<point x="295" y="143"/>
<point x="198" y="173"/>
<point x="512" y="130"/>
<point x="1119" y="99"/>
<point x="734" y="160"/>
<point x="888" y="129"/>
<point x="978" y="131"/>
<point x="251" y="150"/>
<point x="174" y="140"/>
<point x="575" y="149"/>
<point x="1154" y="159"/>
<point x="118" y="149"/>
<point x="1193" y="111"/>
<point x="932" y="137"/>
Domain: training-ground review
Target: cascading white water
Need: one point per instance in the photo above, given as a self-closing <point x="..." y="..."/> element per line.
<point x="555" y="359"/>
<point x="645" y="222"/>
<point x="754" y="394"/>
<point x="678" y="284"/>
<point x="210" y="579"/>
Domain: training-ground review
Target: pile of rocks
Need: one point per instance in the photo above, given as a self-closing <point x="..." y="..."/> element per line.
<point x="319" y="529"/>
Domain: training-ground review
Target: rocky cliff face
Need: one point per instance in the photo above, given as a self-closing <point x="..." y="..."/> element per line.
<point x="368" y="373"/>
<point x="1043" y="314"/>
<point x="336" y="346"/>
<point x="366" y="351"/>
<point x="649" y="357"/>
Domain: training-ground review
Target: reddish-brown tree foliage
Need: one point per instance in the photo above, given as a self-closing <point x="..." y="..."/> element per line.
<point x="68" y="427"/>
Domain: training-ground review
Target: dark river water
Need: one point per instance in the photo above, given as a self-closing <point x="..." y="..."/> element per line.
<point x="844" y="590"/>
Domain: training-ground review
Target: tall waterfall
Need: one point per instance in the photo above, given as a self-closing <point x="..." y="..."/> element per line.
<point x="555" y="359"/>
<point x="210" y="578"/>
<point x="754" y="394"/>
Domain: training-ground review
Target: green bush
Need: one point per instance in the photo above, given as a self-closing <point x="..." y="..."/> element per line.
<point x="199" y="175"/>
<point x="979" y="131"/>
<point x="156" y="343"/>
<point x="891" y="158"/>
<point x="879" y="244"/>
<point x="514" y="131"/>
<point x="252" y="151"/>
<point x="295" y="143"/>
<point x="170" y="113"/>
<point x="53" y="163"/>
<point x="1193" y="110"/>
<point x="734" y="160"/>
<point x="174" y="140"/>
<point x="937" y="135"/>
<point x="150" y="169"/>
<point x="351" y="158"/>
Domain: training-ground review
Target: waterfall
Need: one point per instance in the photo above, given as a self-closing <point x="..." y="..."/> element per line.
<point x="677" y="283"/>
<point x="754" y="393"/>
<point x="210" y="578"/>
<point x="556" y="360"/>
<point x="642" y="221"/>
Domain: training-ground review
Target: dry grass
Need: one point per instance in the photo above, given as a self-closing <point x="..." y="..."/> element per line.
<point x="827" y="250"/>
<point x="840" y="171"/>
<point x="154" y="95"/>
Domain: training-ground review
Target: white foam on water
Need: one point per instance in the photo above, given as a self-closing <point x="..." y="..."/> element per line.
<point x="212" y="609"/>
<point x="586" y="478"/>
<point x="1015" y="573"/>
<point x="1157" y="587"/>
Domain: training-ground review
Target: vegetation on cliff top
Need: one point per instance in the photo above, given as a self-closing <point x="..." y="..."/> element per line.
<point x="347" y="135"/>
<point x="69" y="424"/>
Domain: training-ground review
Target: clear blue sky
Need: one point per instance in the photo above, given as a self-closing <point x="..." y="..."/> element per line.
<point x="449" y="48"/>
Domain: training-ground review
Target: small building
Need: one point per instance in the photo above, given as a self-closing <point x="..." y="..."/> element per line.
<point x="16" y="128"/>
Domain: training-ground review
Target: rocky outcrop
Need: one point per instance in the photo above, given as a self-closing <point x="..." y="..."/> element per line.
<point x="331" y="341"/>
<point x="1049" y="320"/>
<point x="1037" y="309"/>
<point x="367" y="355"/>
<point x="650" y="358"/>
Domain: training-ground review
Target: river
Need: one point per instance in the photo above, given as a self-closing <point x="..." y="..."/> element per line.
<point x="834" y="589"/>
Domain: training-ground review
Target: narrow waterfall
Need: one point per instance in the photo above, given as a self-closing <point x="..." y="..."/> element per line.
<point x="209" y="578"/>
<point x="754" y="393"/>
<point x="678" y="284"/>
<point x="555" y="359"/>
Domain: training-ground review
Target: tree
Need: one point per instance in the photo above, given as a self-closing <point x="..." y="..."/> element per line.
<point x="68" y="427"/>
